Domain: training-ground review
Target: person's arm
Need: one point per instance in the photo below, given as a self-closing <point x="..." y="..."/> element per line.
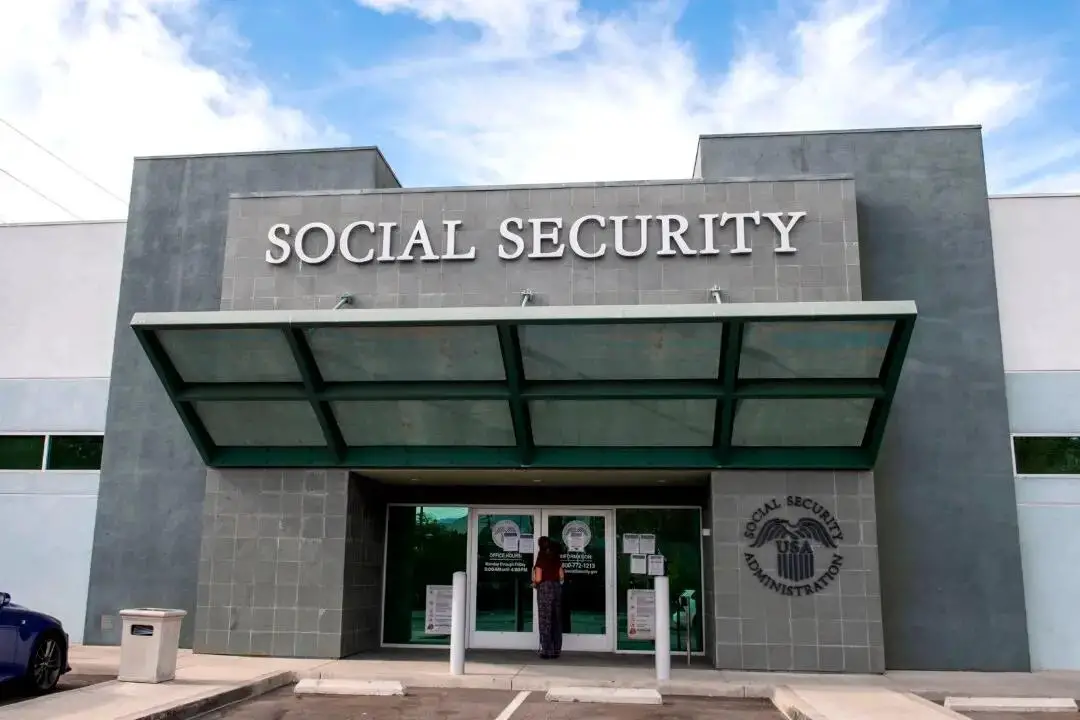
<point x="536" y="573"/>
<point x="562" y="574"/>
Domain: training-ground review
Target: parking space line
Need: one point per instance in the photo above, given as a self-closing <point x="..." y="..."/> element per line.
<point x="510" y="709"/>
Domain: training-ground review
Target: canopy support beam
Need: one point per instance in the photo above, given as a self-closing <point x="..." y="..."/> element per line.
<point x="313" y="385"/>
<point x="510" y="346"/>
<point x="170" y="378"/>
<point x="728" y="375"/>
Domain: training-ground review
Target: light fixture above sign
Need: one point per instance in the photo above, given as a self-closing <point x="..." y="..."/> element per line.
<point x="364" y="241"/>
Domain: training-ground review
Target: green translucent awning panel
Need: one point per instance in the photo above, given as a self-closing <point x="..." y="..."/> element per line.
<point x="754" y="385"/>
<point x="451" y="423"/>
<point x="779" y="349"/>
<point x="644" y="351"/>
<point x="645" y="422"/>
<point x="405" y="354"/>
<point x="801" y="422"/>
<point x="240" y="356"/>
<point x="260" y="423"/>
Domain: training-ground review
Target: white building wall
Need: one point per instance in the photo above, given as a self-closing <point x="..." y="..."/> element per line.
<point x="1036" y="256"/>
<point x="58" y="307"/>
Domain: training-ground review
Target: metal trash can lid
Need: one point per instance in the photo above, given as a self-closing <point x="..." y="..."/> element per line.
<point x="156" y="613"/>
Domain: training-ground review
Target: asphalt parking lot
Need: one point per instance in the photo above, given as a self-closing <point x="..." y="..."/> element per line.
<point x="482" y="705"/>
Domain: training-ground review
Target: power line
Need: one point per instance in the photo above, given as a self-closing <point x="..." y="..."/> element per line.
<point x="65" y="163"/>
<point x="40" y="194"/>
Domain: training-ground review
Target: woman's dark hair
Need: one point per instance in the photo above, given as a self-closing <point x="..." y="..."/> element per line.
<point x="548" y="550"/>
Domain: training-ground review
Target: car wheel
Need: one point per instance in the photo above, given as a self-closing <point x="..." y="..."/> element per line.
<point x="44" y="670"/>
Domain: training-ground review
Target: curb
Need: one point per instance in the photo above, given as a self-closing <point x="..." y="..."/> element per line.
<point x="530" y="683"/>
<point x="217" y="700"/>
<point x="792" y="706"/>
<point x="1010" y="704"/>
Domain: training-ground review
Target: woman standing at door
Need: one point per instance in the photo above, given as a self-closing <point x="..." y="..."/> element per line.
<point x="548" y="576"/>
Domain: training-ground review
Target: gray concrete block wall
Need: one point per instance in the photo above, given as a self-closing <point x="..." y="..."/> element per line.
<point x="272" y="563"/>
<point x="825" y="266"/>
<point x="149" y="515"/>
<point x="924" y="232"/>
<point x="755" y="627"/>
<point x="364" y="553"/>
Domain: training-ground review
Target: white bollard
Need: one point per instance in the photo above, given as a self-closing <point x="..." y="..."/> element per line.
<point x="663" y="629"/>
<point x="457" y="626"/>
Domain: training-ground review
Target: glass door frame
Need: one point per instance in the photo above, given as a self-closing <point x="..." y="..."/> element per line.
<point x="607" y="641"/>
<point x="488" y="639"/>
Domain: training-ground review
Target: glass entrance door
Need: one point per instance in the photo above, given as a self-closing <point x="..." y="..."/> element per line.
<point x="502" y="549"/>
<point x="502" y="611"/>
<point x="588" y="555"/>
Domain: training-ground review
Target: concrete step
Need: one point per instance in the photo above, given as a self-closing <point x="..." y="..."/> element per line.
<point x="612" y="695"/>
<point x="379" y="688"/>
<point x="856" y="703"/>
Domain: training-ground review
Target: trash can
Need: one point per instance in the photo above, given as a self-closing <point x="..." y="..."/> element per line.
<point x="149" y="644"/>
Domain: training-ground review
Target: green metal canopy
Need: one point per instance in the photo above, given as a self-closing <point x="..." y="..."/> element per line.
<point x="743" y="385"/>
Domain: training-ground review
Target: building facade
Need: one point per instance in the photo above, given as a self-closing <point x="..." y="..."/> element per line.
<point x="1035" y="243"/>
<point x="57" y="322"/>
<point x="779" y="382"/>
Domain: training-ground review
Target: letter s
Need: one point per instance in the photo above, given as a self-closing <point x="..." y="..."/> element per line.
<point x="279" y="242"/>
<point x="519" y="242"/>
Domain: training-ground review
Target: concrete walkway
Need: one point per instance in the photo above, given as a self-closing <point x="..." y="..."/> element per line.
<point x="821" y="697"/>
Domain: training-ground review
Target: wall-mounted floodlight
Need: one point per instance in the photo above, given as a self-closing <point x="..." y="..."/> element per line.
<point x="715" y="296"/>
<point x="526" y="297"/>
<point x="343" y="300"/>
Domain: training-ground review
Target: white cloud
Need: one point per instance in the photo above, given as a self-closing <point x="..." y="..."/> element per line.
<point x="511" y="28"/>
<point x="100" y="81"/>
<point x="627" y="99"/>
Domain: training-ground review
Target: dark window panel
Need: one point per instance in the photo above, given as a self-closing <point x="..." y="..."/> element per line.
<point x="1047" y="455"/>
<point x="75" y="452"/>
<point x="425" y="546"/>
<point x="21" y="452"/>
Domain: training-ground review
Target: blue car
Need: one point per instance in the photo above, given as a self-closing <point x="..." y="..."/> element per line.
<point x="33" y="647"/>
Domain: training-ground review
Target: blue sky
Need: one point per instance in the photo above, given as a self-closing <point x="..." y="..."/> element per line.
<point x="491" y="91"/>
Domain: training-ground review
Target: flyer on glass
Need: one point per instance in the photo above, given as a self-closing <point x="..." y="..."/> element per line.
<point x="438" y="609"/>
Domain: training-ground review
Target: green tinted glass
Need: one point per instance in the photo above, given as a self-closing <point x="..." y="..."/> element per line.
<point x="816" y="422"/>
<point x="425" y="547"/>
<point x="1047" y="455"/>
<point x="504" y="596"/>
<point x="652" y="351"/>
<point x="426" y="422"/>
<point x="263" y="423"/>
<point x="623" y="423"/>
<point x="814" y="349"/>
<point x="21" y="452"/>
<point x="585" y="589"/>
<point x="75" y="452"/>
<point x="677" y="534"/>
<point x="401" y="354"/>
<point x="230" y="355"/>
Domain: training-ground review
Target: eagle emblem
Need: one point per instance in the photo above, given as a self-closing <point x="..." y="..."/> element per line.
<point x="794" y="551"/>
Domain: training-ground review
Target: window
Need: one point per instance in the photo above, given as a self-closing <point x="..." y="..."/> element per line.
<point x="74" y="452"/>
<point x="425" y="546"/>
<point x="51" y="452"/>
<point x="1047" y="455"/>
<point x="21" y="452"/>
